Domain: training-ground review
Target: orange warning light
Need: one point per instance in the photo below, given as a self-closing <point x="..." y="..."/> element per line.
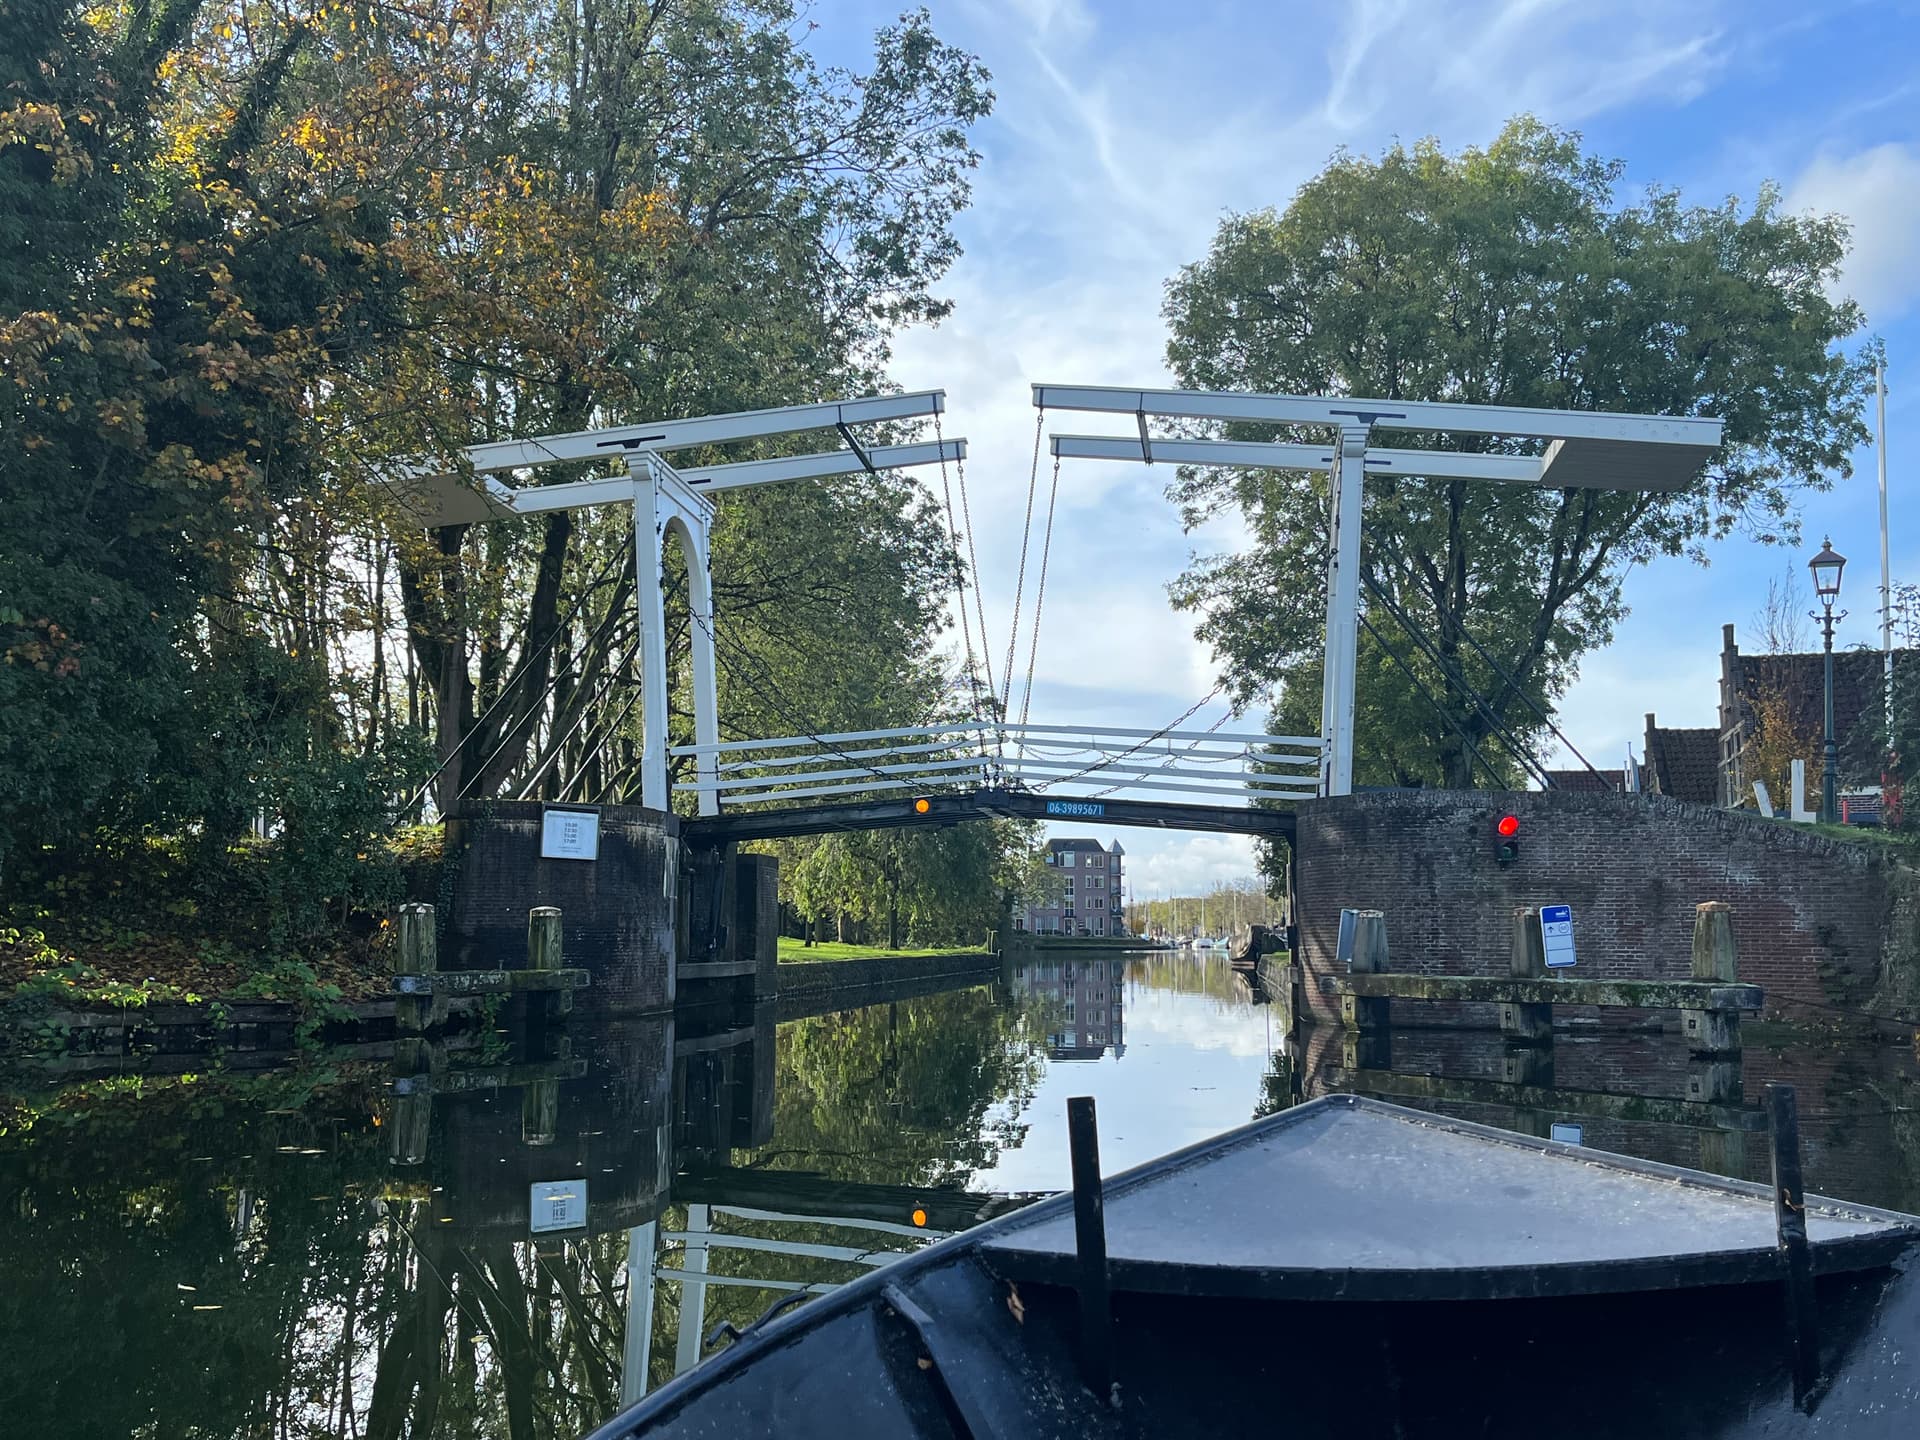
<point x="922" y="806"/>
<point x="920" y="1216"/>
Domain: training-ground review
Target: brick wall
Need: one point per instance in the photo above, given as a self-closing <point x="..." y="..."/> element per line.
<point x="1811" y="915"/>
<point x="616" y="914"/>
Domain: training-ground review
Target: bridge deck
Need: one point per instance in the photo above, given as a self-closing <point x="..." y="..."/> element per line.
<point x="982" y="805"/>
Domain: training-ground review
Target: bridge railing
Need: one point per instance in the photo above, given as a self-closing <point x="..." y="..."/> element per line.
<point x="1069" y="760"/>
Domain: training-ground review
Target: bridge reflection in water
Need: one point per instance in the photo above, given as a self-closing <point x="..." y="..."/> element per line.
<point x="345" y="1250"/>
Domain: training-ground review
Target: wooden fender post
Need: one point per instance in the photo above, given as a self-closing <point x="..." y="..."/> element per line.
<point x="1713" y="1032"/>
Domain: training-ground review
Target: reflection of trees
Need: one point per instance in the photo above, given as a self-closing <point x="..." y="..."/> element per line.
<point x="1186" y="974"/>
<point x="349" y="1303"/>
<point x="335" y="1302"/>
<point x="921" y="1092"/>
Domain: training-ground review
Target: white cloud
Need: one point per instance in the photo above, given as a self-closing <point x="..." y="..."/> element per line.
<point x="1113" y="151"/>
<point x="1878" y="190"/>
<point x="1185" y="864"/>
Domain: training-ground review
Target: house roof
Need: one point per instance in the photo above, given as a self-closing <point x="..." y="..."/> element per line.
<point x="1076" y="844"/>
<point x="1685" y="764"/>
<point x="1607" y="781"/>
<point x="1800" y="681"/>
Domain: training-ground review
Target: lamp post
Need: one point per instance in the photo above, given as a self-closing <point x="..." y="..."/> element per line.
<point x="1826" y="568"/>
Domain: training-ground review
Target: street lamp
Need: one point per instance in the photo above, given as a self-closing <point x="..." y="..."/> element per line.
<point x="1826" y="568"/>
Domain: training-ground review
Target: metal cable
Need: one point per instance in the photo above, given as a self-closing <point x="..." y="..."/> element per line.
<point x="586" y="711"/>
<point x="500" y="699"/>
<point x="1507" y="676"/>
<point x="959" y="579"/>
<point x="533" y="712"/>
<point x="1184" y="751"/>
<point x="1039" y="597"/>
<point x="973" y="563"/>
<point x="1433" y="700"/>
<point x="1020" y="580"/>
<point x="1457" y="677"/>
<point x="786" y="717"/>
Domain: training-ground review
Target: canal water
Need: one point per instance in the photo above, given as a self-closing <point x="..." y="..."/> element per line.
<point x="345" y="1247"/>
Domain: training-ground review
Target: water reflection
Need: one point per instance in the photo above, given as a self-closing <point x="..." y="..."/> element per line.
<point x="348" y="1250"/>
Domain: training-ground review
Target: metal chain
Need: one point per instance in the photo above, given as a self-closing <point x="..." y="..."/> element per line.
<point x="1184" y="750"/>
<point x="786" y="717"/>
<point x="1139" y="745"/>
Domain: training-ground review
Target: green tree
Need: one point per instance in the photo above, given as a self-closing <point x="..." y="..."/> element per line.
<point x="1510" y="275"/>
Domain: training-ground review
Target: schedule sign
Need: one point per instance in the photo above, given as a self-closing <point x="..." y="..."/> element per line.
<point x="1556" y="934"/>
<point x="570" y="835"/>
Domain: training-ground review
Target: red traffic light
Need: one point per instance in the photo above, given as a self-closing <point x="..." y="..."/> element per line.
<point x="1508" y="826"/>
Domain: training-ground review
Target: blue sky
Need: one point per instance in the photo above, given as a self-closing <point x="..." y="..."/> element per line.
<point x="1123" y="131"/>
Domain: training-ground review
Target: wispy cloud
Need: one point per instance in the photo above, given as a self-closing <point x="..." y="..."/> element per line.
<point x="1878" y="190"/>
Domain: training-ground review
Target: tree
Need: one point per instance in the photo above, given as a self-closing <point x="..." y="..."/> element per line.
<point x="1509" y="275"/>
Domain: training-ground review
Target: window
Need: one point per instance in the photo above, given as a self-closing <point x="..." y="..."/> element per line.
<point x="1099" y="862"/>
<point x="1066" y="858"/>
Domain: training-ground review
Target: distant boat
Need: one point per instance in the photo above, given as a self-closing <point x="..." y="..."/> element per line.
<point x="1432" y="1277"/>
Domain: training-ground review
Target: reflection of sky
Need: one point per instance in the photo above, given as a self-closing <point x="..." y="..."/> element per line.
<point x="1192" y="1069"/>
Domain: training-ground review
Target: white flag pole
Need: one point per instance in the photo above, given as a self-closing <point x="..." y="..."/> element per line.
<point x="1886" y="572"/>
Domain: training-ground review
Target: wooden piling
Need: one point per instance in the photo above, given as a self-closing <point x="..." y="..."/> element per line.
<point x="1368" y="1012"/>
<point x="418" y="954"/>
<point x="544" y="952"/>
<point x="1527" y="1022"/>
<point x="1796" y="1256"/>
<point x="1090" y="1244"/>
<point x="540" y="1112"/>
<point x="410" y="1121"/>
<point x="1713" y="1032"/>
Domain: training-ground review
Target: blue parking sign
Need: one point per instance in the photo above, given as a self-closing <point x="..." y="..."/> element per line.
<point x="1556" y="935"/>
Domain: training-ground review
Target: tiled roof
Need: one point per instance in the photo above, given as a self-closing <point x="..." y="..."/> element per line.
<point x="1858" y="686"/>
<point x="1058" y="845"/>
<point x="1588" y="780"/>
<point x="1685" y="764"/>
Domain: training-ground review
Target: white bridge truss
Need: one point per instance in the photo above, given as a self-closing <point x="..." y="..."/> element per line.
<point x="645" y="1269"/>
<point x="1072" y="761"/>
<point x="1556" y="449"/>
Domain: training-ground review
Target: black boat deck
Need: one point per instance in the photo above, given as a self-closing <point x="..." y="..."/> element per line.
<point x="1659" y="1309"/>
<point x="1368" y="1201"/>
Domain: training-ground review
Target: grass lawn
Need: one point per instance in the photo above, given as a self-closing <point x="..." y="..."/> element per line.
<point x="792" y="949"/>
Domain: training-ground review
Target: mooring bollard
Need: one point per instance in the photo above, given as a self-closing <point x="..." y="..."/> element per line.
<point x="1527" y="1022"/>
<point x="418" y="955"/>
<point x="1713" y="1032"/>
<point x="1368" y="1012"/>
<point x="544" y="953"/>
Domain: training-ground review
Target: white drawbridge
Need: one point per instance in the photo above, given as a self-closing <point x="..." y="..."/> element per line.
<point x="1560" y="449"/>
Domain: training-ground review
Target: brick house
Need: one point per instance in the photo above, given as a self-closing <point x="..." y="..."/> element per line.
<point x="1086" y="1012"/>
<point x="1089" y="891"/>
<point x="1795" y="684"/>
<point x="1712" y="764"/>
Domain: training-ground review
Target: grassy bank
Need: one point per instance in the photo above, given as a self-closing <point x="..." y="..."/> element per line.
<point x="794" y="951"/>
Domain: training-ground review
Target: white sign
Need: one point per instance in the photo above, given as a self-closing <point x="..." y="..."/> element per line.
<point x="557" y="1205"/>
<point x="1568" y="1134"/>
<point x="570" y="835"/>
<point x="1556" y="935"/>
